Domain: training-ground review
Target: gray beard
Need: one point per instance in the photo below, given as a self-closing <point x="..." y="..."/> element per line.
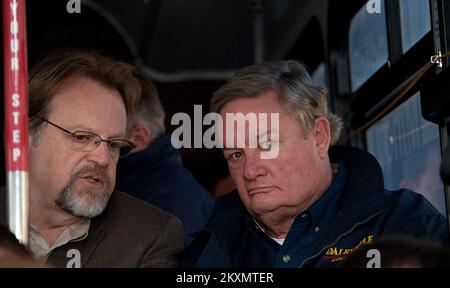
<point x="73" y="204"/>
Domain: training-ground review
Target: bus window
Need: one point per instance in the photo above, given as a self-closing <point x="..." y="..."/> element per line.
<point x="318" y="75"/>
<point x="368" y="45"/>
<point x="408" y="150"/>
<point x="415" y="21"/>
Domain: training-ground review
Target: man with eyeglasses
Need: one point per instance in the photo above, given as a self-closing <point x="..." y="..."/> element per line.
<point x="77" y="120"/>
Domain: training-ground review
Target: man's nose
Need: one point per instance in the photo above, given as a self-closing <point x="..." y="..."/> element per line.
<point x="254" y="167"/>
<point x="101" y="155"/>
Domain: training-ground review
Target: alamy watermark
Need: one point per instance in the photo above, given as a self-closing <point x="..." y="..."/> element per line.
<point x="251" y="130"/>
<point x="73" y="6"/>
<point x="375" y="258"/>
<point x="75" y="258"/>
<point x="373" y="7"/>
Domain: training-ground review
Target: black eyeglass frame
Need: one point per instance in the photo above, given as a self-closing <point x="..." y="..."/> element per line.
<point x="130" y="147"/>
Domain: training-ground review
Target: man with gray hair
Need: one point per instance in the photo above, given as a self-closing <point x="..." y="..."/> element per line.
<point x="311" y="205"/>
<point x="154" y="171"/>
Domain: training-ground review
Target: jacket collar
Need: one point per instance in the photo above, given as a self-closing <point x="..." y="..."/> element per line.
<point x="88" y="245"/>
<point x="363" y="195"/>
<point x="363" y="198"/>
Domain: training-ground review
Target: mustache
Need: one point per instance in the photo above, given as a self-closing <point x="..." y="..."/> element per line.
<point x="96" y="171"/>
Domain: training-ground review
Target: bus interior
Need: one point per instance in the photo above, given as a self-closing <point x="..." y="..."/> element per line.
<point x="369" y="55"/>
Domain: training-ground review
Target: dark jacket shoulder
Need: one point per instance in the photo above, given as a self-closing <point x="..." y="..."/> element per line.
<point x="128" y="210"/>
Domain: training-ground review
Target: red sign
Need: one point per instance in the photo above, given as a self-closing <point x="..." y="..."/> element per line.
<point x="15" y="68"/>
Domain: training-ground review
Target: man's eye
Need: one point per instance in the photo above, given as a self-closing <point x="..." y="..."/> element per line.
<point x="235" y="155"/>
<point x="266" y="145"/>
<point x="82" y="137"/>
<point x="115" y="145"/>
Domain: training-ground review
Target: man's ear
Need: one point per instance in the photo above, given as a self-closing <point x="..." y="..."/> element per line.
<point x="322" y="136"/>
<point x="34" y="137"/>
<point x="141" y="136"/>
<point x="31" y="145"/>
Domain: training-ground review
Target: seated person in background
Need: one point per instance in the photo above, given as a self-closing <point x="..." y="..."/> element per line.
<point x="78" y="103"/>
<point x="298" y="203"/>
<point x="154" y="171"/>
<point x="400" y="252"/>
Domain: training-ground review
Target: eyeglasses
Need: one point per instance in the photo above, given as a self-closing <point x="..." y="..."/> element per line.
<point x="87" y="141"/>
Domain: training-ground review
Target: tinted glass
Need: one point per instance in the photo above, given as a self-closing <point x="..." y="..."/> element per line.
<point x="415" y="21"/>
<point x="408" y="150"/>
<point x="368" y="45"/>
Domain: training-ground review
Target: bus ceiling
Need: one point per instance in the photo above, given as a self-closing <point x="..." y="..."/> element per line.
<point x="175" y="40"/>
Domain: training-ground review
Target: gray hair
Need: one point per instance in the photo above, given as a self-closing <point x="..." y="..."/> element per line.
<point x="294" y="87"/>
<point x="149" y="109"/>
